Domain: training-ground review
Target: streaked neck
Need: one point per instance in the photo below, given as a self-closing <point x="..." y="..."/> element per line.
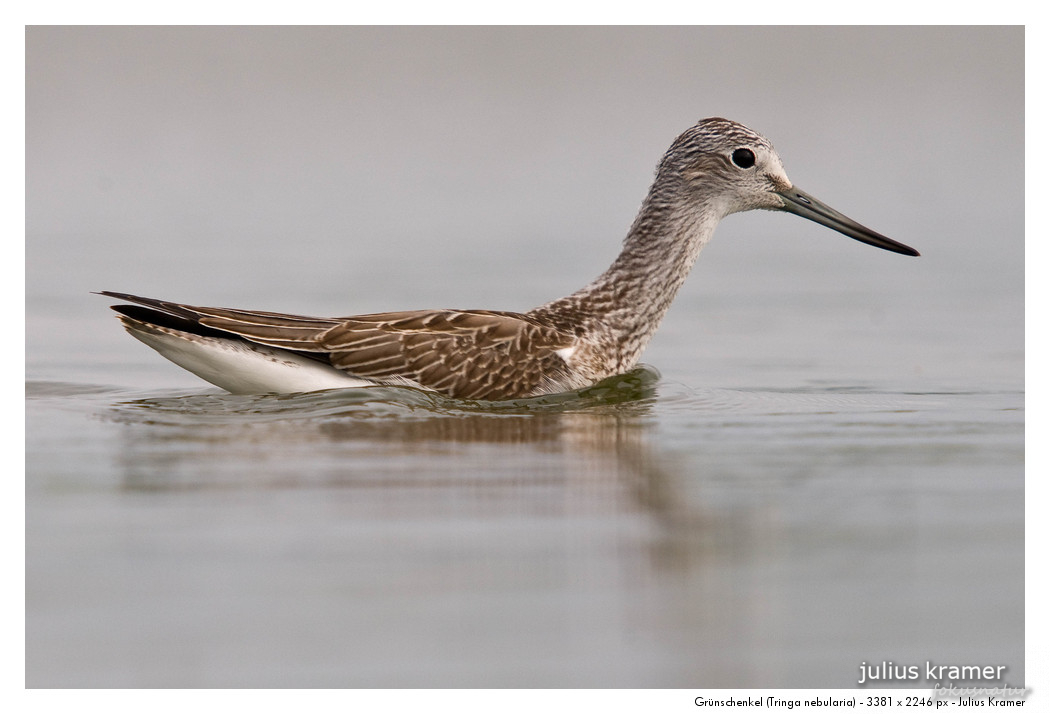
<point x="623" y="306"/>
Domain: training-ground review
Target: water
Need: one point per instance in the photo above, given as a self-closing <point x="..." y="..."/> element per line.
<point x="655" y="536"/>
<point x="824" y="465"/>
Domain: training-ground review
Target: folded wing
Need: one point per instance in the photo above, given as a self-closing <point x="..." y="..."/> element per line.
<point x="468" y="354"/>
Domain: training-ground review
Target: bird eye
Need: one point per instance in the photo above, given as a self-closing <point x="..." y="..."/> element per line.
<point x="744" y="158"/>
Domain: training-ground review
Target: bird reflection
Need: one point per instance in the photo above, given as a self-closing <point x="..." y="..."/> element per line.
<point x="395" y="438"/>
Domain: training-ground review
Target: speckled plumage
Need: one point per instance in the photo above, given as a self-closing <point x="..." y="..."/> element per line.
<point x="569" y="343"/>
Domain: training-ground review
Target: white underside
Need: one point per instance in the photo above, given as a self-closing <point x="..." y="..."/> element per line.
<point x="242" y="367"/>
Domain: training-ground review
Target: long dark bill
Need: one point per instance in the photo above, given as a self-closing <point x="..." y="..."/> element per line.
<point x="802" y="204"/>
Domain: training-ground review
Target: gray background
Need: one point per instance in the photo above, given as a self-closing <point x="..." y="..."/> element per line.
<point x="306" y="160"/>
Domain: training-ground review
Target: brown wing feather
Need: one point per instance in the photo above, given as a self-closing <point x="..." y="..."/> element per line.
<point x="467" y="354"/>
<point x="471" y="354"/>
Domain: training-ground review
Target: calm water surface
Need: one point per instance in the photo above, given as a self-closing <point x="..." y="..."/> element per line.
<point x="829" y="471"/>
<point x="643" y="534"/>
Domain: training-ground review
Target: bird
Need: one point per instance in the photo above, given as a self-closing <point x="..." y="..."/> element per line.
<point x="713" y="169"/>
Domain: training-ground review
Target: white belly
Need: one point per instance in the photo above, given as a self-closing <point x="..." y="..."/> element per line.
<point x="242" y="367"/>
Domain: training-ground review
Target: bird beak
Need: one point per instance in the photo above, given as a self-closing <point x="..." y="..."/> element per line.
<point x="802" y="204"/>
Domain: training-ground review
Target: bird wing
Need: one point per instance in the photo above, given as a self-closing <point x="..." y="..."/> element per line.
<point x="469" y="354"/>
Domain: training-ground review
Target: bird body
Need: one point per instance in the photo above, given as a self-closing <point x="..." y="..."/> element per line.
<point x="716" y="168"/>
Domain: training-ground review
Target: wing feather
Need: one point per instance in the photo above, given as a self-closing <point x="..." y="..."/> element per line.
<point x="472" y="354"/>
<point x="469" y="354"/>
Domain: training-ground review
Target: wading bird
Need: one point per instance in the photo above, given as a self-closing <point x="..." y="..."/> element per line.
<point x="715" y="168"/>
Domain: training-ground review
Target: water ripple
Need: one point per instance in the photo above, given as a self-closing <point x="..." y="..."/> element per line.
<point x="635" y="387"/>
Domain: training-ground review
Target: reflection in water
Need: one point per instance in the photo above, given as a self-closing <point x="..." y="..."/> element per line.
<point x="562" y="498"/>
<point x="585" y="452"/>
<point x="387" y="435"/>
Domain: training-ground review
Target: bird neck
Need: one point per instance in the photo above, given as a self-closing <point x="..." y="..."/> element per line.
<point x="622" y="308"/>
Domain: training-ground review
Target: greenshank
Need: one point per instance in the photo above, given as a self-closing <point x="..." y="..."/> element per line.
<point x="715" y="168"/>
